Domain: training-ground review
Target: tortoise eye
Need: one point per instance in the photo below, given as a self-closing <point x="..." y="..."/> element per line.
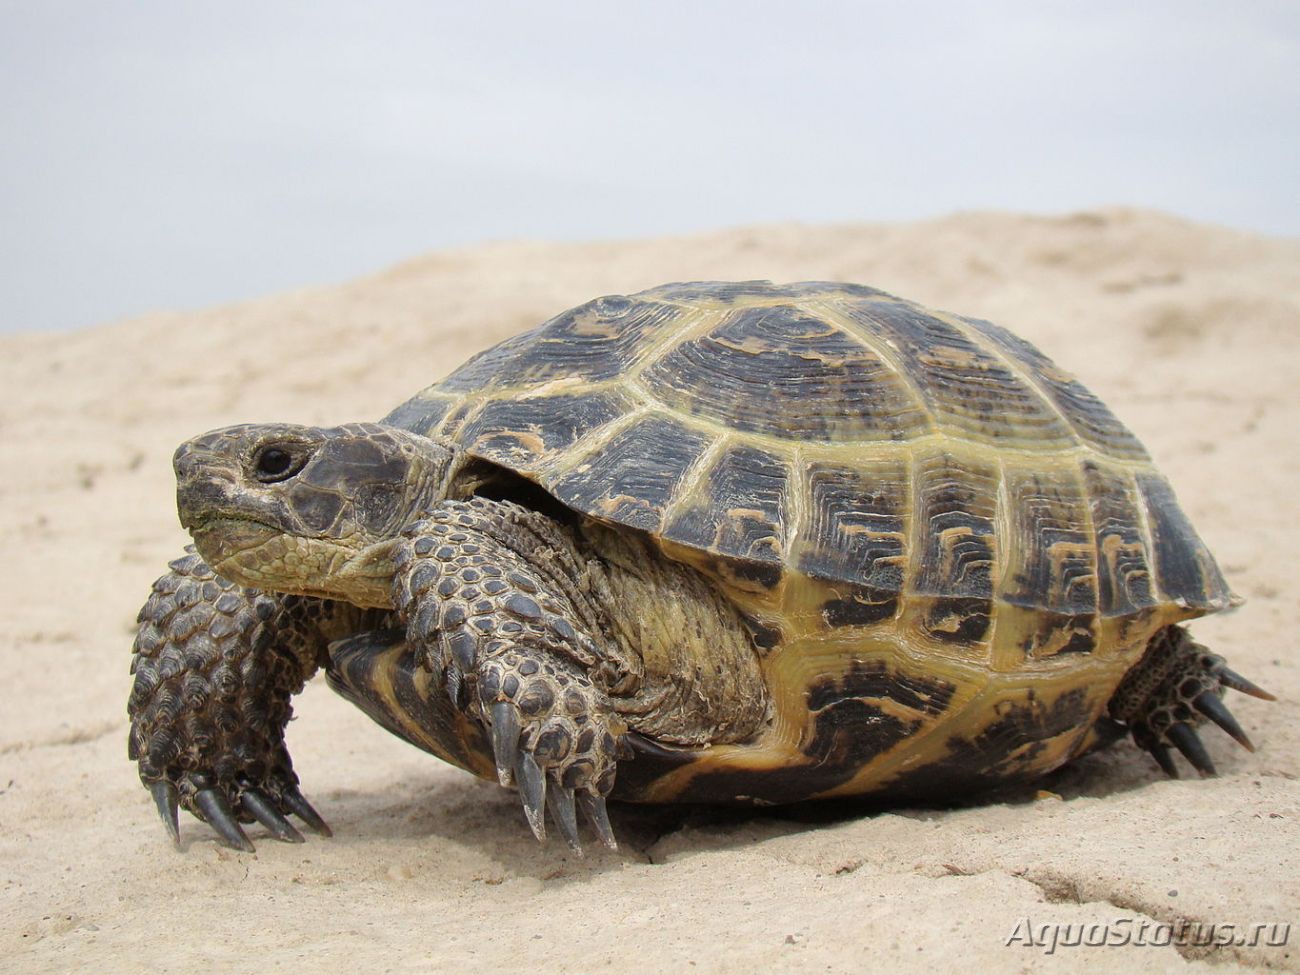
<point x="272" y="464"/>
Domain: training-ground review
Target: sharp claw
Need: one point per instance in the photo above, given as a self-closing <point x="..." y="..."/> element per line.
<point x="559" y="800"/>
<point x="593" y="807"/>
<point x="1189" y="743"/>
<point x="216" y="810"/>
<point x="164" y="797"/>
<point x="1230" y="678"/>
<point x="505" y="740"/>
<point x="1214" y="709"/>
<point x="453" y="680"/>
<point x="1166" y="761"/>
<point x="532" y="790"/>
<point x="301" y="808"/>
<point x="268" y="816"/>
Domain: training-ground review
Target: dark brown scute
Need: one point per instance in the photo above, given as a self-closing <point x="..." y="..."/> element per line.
<point x="1058" y="552"/>
<point x="961" y="620"/>
<point x="1123" y="570"/>
<point x="957" y="504"/>
<point x="785" y="372"/>
<point x="523" y="431"/>
<point x="857" y="532"/>
<point x="741" y="511"/>
<point x="592" y="342"/>
<point x="419" y="415"/>
<point x="1089" y="416"/>
<point x="1185" y="569"/>
<point x="964" y="386"/>
<point x="859" y="606"/>
<point x="631" y="479"/>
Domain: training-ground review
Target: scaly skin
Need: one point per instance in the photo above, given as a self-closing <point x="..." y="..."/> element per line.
<point x="517" y="635"/>
<point x="298" y="514"/>
<point x="215" y="666"/>
<point x="1176" y="686"/>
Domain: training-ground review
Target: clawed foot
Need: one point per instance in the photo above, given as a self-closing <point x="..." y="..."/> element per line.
<point x="1177" y="687"/>
<point x="224" y="809"/>
<point x="215" y="666"/>
<point x="553" y="739"/>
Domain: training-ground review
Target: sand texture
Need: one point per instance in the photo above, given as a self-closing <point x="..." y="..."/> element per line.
<point x="1190" y="333"/>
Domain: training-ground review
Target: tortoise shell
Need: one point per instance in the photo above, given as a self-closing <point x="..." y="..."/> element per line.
<point x="936" y="535"/>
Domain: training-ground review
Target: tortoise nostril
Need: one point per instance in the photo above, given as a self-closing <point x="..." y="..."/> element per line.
<point x="184" y="462"/>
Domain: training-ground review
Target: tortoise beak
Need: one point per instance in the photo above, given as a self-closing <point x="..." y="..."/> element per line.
<point x="206" y="475"/>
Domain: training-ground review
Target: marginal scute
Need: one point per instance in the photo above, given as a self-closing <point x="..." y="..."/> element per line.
<point x="738" y="510"/>
<point x="856" y="537"/>
<point x="631" y="479"/>
<point x="518" y="433"/>
<point x="421" y="414"/>
<point x="785" y="371"/>
<point x="956" y="508"/>
<point x="1186" y="571"/>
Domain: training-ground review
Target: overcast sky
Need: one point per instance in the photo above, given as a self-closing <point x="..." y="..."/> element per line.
<point x="176" y="155"/>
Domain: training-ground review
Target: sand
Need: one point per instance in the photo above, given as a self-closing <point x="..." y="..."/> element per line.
<point x="1189" y="332"/>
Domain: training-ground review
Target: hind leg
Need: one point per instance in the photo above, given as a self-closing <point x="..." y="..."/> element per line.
<point x="1173" y="689"/>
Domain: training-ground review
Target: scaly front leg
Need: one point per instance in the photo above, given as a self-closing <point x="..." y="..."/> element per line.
<point x="215" y="666"/>
<point x="500" y="604"/>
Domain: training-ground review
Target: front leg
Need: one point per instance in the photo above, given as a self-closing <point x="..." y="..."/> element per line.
<point x="215" y="666"/>
<point x="504" y="609"/>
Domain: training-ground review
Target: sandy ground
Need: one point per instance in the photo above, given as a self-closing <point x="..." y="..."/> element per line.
<point x="1191" y="333"/>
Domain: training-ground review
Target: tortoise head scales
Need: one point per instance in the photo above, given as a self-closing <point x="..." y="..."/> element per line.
<point x="308" y="510"/>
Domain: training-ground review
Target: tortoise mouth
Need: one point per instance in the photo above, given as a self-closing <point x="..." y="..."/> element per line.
<point x="252" y="553"/>
<point x="223" y="537"/>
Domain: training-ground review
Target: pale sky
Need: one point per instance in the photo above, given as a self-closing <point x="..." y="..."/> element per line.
<point x="177" y="154"/>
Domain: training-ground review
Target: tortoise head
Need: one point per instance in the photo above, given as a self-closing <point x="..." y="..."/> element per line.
<point x="308" y="510"/>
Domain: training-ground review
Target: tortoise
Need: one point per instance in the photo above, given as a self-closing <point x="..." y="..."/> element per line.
<point x="715" y="542"/>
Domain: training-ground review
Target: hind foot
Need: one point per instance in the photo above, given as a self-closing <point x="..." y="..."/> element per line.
<point x="1176" y="686"/>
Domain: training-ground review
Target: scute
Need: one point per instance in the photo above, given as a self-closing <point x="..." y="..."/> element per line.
<point x="521" y="433"/>
<point x="786" y="371"/>
<point x="593" y="342"/>
<point x="739" y="509"/>
<point x="857" y="530"/>
<point x="966" y="388"/>
<point x="891" y="454"/>
<point x="1089" y="417"/>
<point x="631" y="479"/>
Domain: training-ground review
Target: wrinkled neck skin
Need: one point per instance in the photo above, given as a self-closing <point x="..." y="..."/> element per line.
<point x="309" y="510"/>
